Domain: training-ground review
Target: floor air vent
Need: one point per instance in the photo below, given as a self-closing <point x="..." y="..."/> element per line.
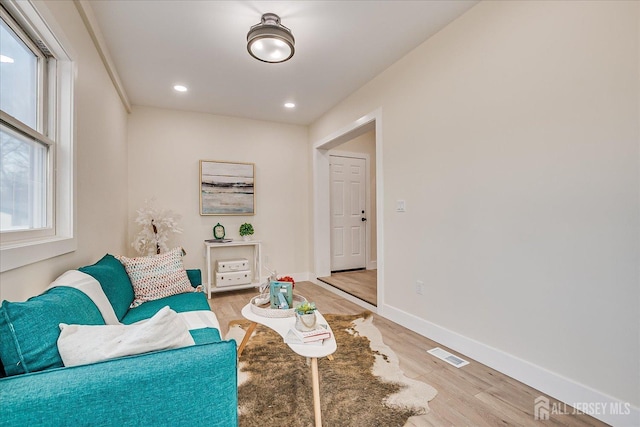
<point x="447" y="357"/>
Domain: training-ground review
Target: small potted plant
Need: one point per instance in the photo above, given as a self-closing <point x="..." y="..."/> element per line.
<point x="306" y="316"/>
<point x="246" y="231"/>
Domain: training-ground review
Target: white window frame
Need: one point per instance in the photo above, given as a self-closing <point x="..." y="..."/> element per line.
<point x="27" y="247"/>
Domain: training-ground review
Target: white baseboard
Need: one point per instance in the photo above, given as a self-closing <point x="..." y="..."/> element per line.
<point x="597" y="404"/>
<point x="593" y="402"/>
<point x="300" y="277"/>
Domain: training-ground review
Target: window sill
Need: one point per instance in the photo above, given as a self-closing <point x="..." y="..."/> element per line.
<point x="20" y="254"/>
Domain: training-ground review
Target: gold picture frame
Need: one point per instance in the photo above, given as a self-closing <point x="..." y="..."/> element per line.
<point x="227" y="188"/>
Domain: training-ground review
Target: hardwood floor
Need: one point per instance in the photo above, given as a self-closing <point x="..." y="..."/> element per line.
<point x="474" y="395"/>
<point x="361" y="284"/>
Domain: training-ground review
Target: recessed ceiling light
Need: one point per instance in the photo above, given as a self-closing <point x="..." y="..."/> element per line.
<point x="6" y="59"/>
<point x="290" y="105"/>
<point x="180" y="88"/>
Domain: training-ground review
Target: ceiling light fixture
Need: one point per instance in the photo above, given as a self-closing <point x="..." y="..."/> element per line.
<point x="289" y="105"/>
<point x="270" y="41"/>
<point x="180" y="88"/>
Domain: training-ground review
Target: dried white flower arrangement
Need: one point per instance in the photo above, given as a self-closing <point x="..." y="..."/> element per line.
<point x="156" y="225"/>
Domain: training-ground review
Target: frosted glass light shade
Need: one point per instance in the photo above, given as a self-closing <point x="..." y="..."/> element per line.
<point x="270" y="41"/>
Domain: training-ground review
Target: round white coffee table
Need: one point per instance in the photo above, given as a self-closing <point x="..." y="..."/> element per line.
<point x="312" y="352"/>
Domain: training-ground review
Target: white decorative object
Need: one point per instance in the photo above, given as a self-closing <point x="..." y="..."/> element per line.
<point x="84" y="344"/>
<point x="233" y="278"/>
<point x="255" y="264"/>
<point x="156" y="225"/>
<point x="274" y="313"/>
<point x="232" y="264"/>
<point x="305" y="322"/>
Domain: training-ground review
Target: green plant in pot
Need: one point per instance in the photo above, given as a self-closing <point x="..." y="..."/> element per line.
<point x="306" y="316"/>
<point x="246" y="231"/>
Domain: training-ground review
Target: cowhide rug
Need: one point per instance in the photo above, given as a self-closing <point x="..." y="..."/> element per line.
<point x="362" y="386"/>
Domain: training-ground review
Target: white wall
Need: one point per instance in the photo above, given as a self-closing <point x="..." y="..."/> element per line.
<point x="101" y="164"/>
<point x="512" y="135"/>
<point x="165" y="147"/>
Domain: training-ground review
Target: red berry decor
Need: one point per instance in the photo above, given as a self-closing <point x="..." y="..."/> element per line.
<point x="288" y="279"/>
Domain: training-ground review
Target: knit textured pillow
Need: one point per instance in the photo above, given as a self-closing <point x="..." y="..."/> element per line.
<point x="157" y="276"/>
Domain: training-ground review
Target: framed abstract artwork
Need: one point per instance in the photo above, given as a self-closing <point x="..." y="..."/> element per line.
<point x="227" y="188"/>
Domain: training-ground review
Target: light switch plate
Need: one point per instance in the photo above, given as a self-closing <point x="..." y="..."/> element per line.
<point x="401" y="206"/>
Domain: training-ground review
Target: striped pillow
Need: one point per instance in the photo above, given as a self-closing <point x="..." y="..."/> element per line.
<point x="157" y="276"/>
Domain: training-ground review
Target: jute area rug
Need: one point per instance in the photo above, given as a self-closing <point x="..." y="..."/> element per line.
<point x="362" y="386"/>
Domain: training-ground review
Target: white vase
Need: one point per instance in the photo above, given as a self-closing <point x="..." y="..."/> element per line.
<point x="246" y="238"/>
<point x="306" y="322"/>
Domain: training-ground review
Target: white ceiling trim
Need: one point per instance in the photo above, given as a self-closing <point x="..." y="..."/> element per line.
<point x="90" y="22"/>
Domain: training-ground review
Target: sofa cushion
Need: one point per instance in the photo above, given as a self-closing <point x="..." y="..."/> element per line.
<point x="114" y="281"/>
<point x="157" y="276"/>
<point x="91" y="287"/>
<point x="84" y="344"/>
<point x="205" y="335"/>
<point x="195" y="277"/>
<point x="179" y="303"/>
<point x="29" y="330"/>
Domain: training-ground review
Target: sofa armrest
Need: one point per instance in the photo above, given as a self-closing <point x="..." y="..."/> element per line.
<point x="194" y="385"/>
<point x="195" y="277"/>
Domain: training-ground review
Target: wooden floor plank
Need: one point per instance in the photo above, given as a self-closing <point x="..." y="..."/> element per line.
<point x="474" y="395"/>
<point x="361" y="284"/>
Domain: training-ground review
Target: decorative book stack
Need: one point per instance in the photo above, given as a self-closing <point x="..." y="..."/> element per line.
<point x="219" y="240"/>
<point x="315" y="336"/>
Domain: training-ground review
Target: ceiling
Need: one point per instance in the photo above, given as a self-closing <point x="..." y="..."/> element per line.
<point x="340" y="45"/>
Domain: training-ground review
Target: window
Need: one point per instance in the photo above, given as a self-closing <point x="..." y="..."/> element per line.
<point x="23" y="181"/>
<point x="36" y="138"/>
<point x="24" y="149"/>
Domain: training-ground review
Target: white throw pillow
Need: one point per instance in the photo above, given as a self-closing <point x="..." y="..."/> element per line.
<point x="84" y="344"/>
<point x="157" y="276"/>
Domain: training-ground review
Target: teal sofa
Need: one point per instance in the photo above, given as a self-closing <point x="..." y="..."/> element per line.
<point x="194" y="385"/>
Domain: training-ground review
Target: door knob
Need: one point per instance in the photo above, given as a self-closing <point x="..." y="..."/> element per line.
<point x="363" y="219"/>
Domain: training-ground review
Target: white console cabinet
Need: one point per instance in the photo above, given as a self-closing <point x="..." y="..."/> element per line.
<point x="219" y="249"/>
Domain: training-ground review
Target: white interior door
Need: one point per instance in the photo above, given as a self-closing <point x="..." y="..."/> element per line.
<point x="348" y="216"/>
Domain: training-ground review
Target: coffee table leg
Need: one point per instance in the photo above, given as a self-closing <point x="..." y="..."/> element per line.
<point x="247" y="335"/>
<point x="316" y="391"/>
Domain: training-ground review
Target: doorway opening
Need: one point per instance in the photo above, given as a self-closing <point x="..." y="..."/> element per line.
<point x="361" y="284"/>
<point x="347" y="212"/>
